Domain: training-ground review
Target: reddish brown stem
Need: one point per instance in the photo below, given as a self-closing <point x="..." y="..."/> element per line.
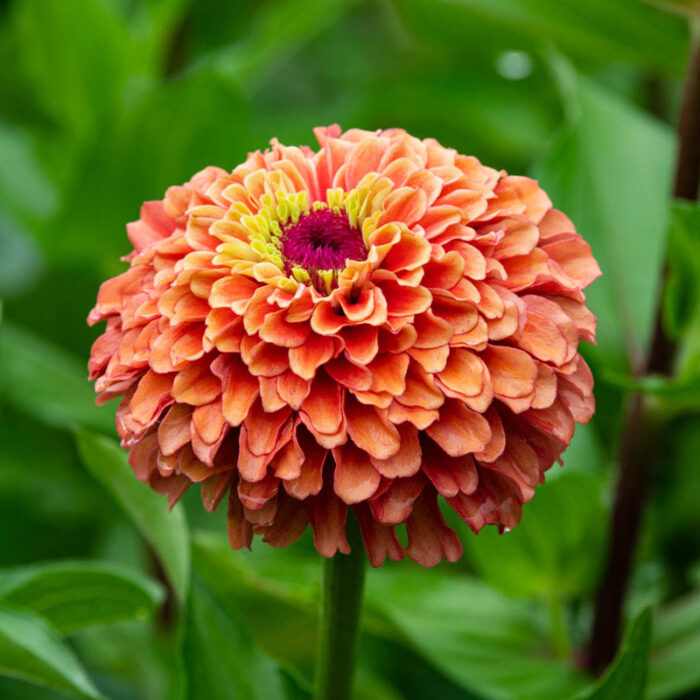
<point x="642" y="433"/>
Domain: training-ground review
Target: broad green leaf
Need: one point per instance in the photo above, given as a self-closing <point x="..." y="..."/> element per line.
<point x="556" y="549"/>
<point x="26" y="193"/>
<point x="47" y="383"/>
<point x="32" y="651"/>
<point x="21" y="261"/>
<point x="73" y="595"/>
<point x="493" y="646"/>
<point x="627" y="679"/>
<point x="591" y="30"/>
<point x="168" y="131"/>
<point x="278" y="30"/>
<point x="73" y="56"/>
<point x="676" y="649"/>
<point x="609" y="170"/>
<point x="276" y="592"/>
<point x="220" y="658"/>
<point x="165" y="531"/>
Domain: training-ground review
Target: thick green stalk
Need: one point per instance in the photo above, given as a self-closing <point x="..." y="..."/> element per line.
<point x="343" y="584"/>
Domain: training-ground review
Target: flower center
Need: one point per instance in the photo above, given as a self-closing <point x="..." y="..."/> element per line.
<point x="320" y="242"/>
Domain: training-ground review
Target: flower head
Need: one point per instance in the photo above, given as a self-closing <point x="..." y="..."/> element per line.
<point x="372" y="325"/>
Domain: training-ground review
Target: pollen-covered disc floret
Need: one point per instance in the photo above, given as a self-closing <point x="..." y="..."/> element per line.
<point x="375" y="325"/>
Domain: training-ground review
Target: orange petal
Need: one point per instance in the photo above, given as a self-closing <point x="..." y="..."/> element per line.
<point x="513" y="372"/>
<point x="449" y="475"/>
<point x="310" y="479"/>
<point x="328" y="515"/>
<point x="264" y="428"/>
<point x="361" y="343"/>
<point x="240" y="387"/>
<point x="389" y="373"/>
<point x="240" y="532"/>
<point x="380" y="540"/>
<point x="396" y="503"/>
<point x="370" y="430"/>
<point x="460" y="430"/>
<point x="307" y="358"/>
<point x="406" y="462"/>
<point x="429" y="538"/>
<point x="152" y="395"/>
<point x="292" y="389"/>
<point x="196" y="384"/>
<point x="322" y="410"/>
<point x="277" y="330"/>
<point x="174" y="429"/>
<point x="354" y="479"/>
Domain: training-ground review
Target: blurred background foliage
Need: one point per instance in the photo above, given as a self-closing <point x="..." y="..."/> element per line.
<point x="104" y="104"/>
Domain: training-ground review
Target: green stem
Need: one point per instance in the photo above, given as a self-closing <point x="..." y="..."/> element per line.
<point x="343" y="583"/>
<point x="557" y="621"/>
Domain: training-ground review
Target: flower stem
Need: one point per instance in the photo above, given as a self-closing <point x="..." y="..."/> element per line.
<point x="643" y="431"/>
<point x="343" y="584"/>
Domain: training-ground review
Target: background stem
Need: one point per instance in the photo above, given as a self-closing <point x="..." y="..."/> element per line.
<point x="343" y="585"/>
<point x="643" y="429"/>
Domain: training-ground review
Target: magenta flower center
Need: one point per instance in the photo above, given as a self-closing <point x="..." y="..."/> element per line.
<point x="321" y="240"/>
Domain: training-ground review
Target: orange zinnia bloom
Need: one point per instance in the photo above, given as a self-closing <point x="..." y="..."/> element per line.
<point x="370" y="325"/>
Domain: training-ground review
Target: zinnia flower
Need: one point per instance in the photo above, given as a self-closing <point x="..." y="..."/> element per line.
<point x="372" y="325"/>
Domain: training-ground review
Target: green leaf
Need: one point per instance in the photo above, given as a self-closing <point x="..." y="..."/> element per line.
<point x="47" y="383"/>
<point x="277" y="32"/>
<point x="165" y="531"/>
<point x="491" y="645"/>
<point x="626" y="31"/>
<point x="676" y="649"/>
<point x="220" y="658"/>
<point x="609" y="170"/>
<point x="555" y="550"/>
<point x="32" y="651"/>
<point x="73" y="595"/>
<point x="21" y="261"/>
<point x="627" y="678"/>
<point x="26" y="193"/>
<point x="75" y="80"/>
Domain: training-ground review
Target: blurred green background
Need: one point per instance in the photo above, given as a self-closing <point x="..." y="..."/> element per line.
<point x="105" y="103"/>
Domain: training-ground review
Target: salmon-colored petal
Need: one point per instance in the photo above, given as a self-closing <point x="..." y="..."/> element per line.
<point x="240" y="387"/>
<point x="389" y="373"/>
<point x="380" y="540"/>
<point x="174" y="429"/>
<point x="278" y="331"/>
<point x="196" y="384"/>
<point x="407" y="461"/>
<point x="322" y="410"/>
<point x="214" y="488"/>
<point x="289" y="524"/>
<point x="361" y="343"/>
<point x="328" y="515"/>
<point x="310" y="479"/>
<point x="429" y="538"/>
<point x="307" y="358"/>
<point x="240" y="532"/>
<point x="513" y="372"/>
<point x="460" y="430"/>
<point x="349" y="374"/>
<point x="354" y="479"/>
<point x="153" y="394"/>
<point x="449" y="475"/>
<point x="575" y="257"/>
<point x="396" y="503"/>
<point x="370" y="430"/>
